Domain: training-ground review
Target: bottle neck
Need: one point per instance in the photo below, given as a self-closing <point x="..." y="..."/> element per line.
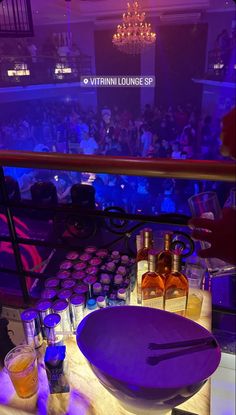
<point x="152" y="266"/>
<point x="147" y="243"/>
<point x="138" y="242"/>
<point x="167" y="241"/>
<point x="176" y="264"/>
<point x="167" y="245"/>
<point x="147" y="238"/>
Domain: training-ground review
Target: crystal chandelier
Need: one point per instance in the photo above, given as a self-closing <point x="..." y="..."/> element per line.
<point x="134" y="34"/>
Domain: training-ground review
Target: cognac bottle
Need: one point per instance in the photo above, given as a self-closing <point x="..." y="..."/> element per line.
<point x="176" y="288"/>
<point x="153" y="284"/>
<point x="165" y="256"/>
<point x="142" y="260"/>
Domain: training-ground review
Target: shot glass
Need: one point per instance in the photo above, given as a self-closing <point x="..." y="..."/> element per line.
<point x="206" y="205"/>
<point x="21" y="365"/>
<point x="194" y="304"/>
<point x="195" y="272"/>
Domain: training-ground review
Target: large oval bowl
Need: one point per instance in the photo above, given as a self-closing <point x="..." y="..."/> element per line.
<point x="116" y="341"/>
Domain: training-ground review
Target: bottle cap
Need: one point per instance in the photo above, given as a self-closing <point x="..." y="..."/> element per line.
<point x="118" y="279"/>
<point x="91" y="249"/>
<point x="64" y="294"/>
<point x="78" y="275"/>
<point x="111" y="266"/>
<point x="105" y="279"/>
<point x="121" y="270"/>
<point x="101" y="302"/>
<point x="81" y="289"/>
<point x="77" y="300"/>
<point x="29" y="315"/>
<point x="92" y="270"/>
<point x="115" y="254"/>
<point x="80" y="266"/>
<point x="52" y="320"/>
<point x="102" y="253"/>
<point x="90" y="280"/>
<point x="69" y="283"/>
<point x="91" y="304"/>
<point x="97" y="288"/>
<point x="51" y="283"/>
<point x="63" y="274"/>
<point x="49" y="293"/>
<point x="121" y="293"/>
<point x="66" y="265"/>
<point x="72" y="255"/>
<point x="95" y="262"/>
<point x="124" y="259"/>
<point x="60" y="305"/>
<point x="85" y="257"/>
<point x="43" y="305"/>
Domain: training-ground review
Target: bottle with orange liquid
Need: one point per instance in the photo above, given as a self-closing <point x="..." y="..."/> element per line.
<point x="165" y="256"/>
<point x="142" y="259"/>
<point x="176" y="287"/>
<point x="153" y="284"/>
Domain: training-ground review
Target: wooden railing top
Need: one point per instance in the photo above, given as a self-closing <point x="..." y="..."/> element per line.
<point x="179" y="169"/>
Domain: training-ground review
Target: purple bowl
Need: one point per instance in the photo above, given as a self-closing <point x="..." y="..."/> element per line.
<point x="116" y="340"/>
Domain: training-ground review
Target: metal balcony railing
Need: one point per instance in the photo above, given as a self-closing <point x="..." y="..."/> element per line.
<point x="222" y="65"/>
<point x="118" y="225"/>
<point x="24" y="70"/>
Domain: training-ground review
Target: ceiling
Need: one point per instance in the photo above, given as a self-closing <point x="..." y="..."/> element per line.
<point x="57" y="11"/>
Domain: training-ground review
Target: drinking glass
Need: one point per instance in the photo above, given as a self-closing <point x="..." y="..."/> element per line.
<point x="194" y="304"/>
<point x="206" y="205"/>
<point x="21" y="365"/>
<point x="195" y="273"/>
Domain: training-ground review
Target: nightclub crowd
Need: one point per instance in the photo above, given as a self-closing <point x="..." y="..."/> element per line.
<point x="180" y="133"/>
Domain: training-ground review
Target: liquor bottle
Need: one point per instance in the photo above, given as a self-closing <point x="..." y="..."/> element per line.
<point x="153" y="284"/>
<point x="164" y="260"/>
<point x="176" y="287"/>
<point x="142" y="260"/>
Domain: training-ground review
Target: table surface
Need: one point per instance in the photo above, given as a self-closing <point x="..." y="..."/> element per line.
<point x="87" y="396"/>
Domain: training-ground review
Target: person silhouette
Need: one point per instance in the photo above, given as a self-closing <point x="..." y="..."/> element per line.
<point x="220" y="233"/>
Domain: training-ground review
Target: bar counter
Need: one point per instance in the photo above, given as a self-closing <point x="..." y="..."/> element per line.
<point x="87" y="396"/>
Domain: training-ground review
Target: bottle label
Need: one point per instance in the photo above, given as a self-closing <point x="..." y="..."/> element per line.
<point x="176" y="304"/>
<point x="155" y="302"/>
<point x="142" y="268"/>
